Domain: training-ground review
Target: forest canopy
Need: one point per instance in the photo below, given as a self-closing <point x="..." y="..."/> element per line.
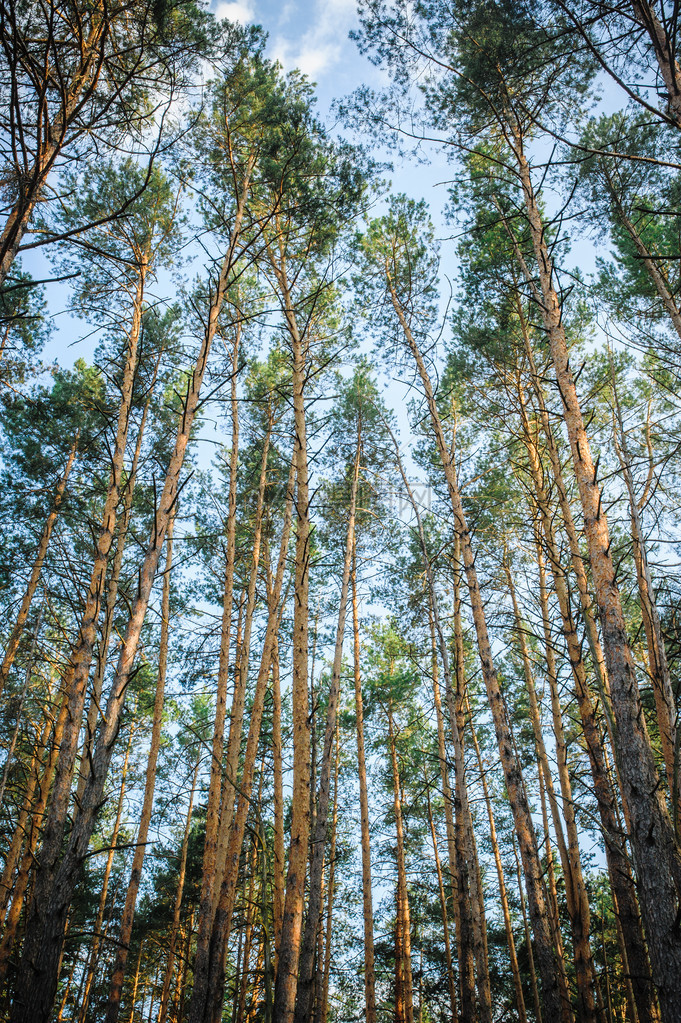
<point x="340" y="573"/>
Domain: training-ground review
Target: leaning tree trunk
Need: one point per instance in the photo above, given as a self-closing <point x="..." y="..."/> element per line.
<point x="38" y="973"/>
<point x="289" y="950"/>
<point x="656" y="853"/>
<point x="463" y="866"/>
<point x="77" y="672"/>
<point x="545" y="950"/>
<point x="128" y="915"/>
<point x="634" y="952"/>
<point x="305" y="988"/>
<point x="367" y="902"/>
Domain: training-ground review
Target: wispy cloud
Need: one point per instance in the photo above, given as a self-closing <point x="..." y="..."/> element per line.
<point x="322" y="45"/>
<point x="242" y="11"/>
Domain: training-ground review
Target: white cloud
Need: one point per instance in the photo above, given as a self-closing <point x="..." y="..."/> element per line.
<point x="323" y="44"/>
<point x="242" y="11"/>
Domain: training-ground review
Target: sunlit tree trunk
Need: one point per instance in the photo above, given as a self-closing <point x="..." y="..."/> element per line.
<point x="289" y="949"/>
<point x="322" y="1010"/>
<point x="462" y="865"/>
<point x="177" y="908"/>
<point x="94" y="710"/>
<point x="503" y="896"/>
<point x="93" y="958"/>
<point x="305" y="988"/>
<point x="279" y="863"/>
<point x="575" y="889"/>
<point x="207" y="992"/>
<point x="656" y="852"/>
<point x="544" y="946"/>
<point x="404" y="995"/>
<point x="128" y="915"/>
<point x="634" y="950"/>
<point x="54" y="887"/>
<point x="206" y="909"/>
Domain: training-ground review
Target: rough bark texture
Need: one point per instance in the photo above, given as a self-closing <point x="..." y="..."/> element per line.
<point x="545" y="951"/>
<point x="367" y="901"/>
<point x="47" y="917"/>
<point x="305" y="990"/>
<point x="656" y="853"/>
<point x="289" y="950"/>
<point x="209" y="976"/>
<point x="128" y="915"/>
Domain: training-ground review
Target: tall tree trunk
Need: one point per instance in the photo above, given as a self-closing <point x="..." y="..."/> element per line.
<point x="462" y="865"/>
<point x="289" y="949"/>
<point x="656" y="852"/>
<point x="528" y="939"/>
<point x="128" y="916"/>
<point x="323" y="1008"/>
<point x="403" y="944"/>
<point x="657" y="656"/>
<point x="575" y="889"/>
<point x="54" y="888"/>
<point x="94" y="711"/>
<point x="77" y="672"/>
<point x="451" y="982"/>
<point x="305" y="988"/>
<point x="207" y="992"/>
<point x="367" y="901"/>
<point x="279" y="861"/>
<point x="503" y="896"/>
<point x="229" y="787"/>
<point x="177" y="908"/>
<point x="206" y="909"/>
<point x="93" y="958"/>
<point x="545" y="950"/>
<point x="634" y="950"/>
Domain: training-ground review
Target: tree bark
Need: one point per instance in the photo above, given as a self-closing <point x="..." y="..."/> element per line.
<point x="451" y="982"/>
<point x="367" y="901"/>
<point x="177" y="908"/>
<point x="128" y="916"/>
<point x="656" y="853"/>
<point x="209" y="977"/>
<point x="503" y="896"/>
<point x="206" y="910"/>
<point x="289" y="949"/>
<point x="545" y="951"/>
<point x="305" y="987"/>
<point x="279" y="863"/>
<point x="634" y="951"/>
<point x="404" y="995"/>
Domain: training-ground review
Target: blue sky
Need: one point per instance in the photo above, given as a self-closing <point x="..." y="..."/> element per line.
<point x="311" y="36"/>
